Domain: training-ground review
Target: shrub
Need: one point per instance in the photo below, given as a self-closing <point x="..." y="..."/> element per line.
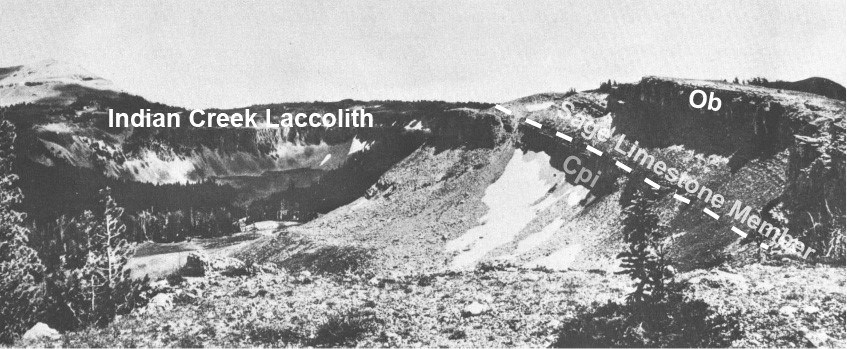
<point x="175" y="279"/>
<point x="97" y="286"/>
<point x="345" y="328"/>
<point x="274" y="335"/>
<point x="336" y="260"/>
<point x="671" y="322"/>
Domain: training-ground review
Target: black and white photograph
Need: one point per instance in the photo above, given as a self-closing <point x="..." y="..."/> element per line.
<point x="423" y="174"/>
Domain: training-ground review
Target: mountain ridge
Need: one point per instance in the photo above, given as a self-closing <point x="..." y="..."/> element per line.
<point x="764" y="138"/>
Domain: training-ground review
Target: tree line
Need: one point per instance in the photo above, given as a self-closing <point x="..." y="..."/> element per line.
<point x="81" y="281"/>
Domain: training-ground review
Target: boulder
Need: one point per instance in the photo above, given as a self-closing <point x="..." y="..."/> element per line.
<point x="160" y="286"/>
<point x="196" y="264"/>
<point x="818" y="339"/>
<point x="475" y="309"/>
<point x="787" y="310"/>
<point x="41" y="332"/>
<point x="199" y="264"/>
<point x="161" y="302"/>
<point x="554" y="324"/>
<point x="304" y="277"/>
<point x="268" y="268"/>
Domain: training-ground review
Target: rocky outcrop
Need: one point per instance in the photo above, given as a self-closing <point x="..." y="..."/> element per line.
<point x="753" y="123"/>
<point x="40" y="332"/>
<point x="472" y="128"/>
<point x="199" y="264"/>
<point x="815" y="195"/>
<point x="751" y="119"/>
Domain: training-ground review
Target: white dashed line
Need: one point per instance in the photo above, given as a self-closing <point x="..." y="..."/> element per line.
<point x="533" y="123"/>
<point x="629" y="169"/>
<point x="710" y="213"/>
<point x="564" y="136"/>
<point x="623" y="167"/>
<point x="681" y="198"/>
<point x="594" y="150"/>
<point x="503" y="109"/>
<point x="651" y="183"/>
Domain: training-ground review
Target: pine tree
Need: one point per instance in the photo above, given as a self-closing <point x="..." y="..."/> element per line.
<point x="21" y="271"/>
<point x="102" y="283"/>
<point x="644" y="259"/>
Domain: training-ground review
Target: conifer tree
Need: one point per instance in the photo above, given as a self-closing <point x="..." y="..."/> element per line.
<point x="644" y="259"/>
<point x="103" y="281"/>
<point x="21" y="271"/>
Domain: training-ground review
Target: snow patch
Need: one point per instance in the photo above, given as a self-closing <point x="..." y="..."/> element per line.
<point x="559" y="260"/>
<point x="535" y="240"/>
<point x="572" y="195"/>
<point x="576" y="194"/>
<point x="40" y="80"/>
<point x="56" y="128"/>
<point x="326" y="158"/>
<point x="414" y="125"/>
<point x="356" y="145"/>
<point x="153" y="169"/>
<point x="513" y="201"/>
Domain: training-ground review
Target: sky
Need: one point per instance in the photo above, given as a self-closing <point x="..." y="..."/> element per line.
<point x="203" y="54"/>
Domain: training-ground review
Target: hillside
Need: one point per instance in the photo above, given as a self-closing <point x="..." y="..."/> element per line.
<point x="449" y="206"/>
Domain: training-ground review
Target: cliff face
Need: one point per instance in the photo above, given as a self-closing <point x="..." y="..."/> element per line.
<point x="815" y="195"/>
<point x="799" y="135"/>
<point x="751" y="122"/>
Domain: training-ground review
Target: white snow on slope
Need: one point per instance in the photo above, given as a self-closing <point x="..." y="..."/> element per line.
<point x="559" y="260"/>
<point x="513" y="201"/>
<point x="357" y="145"/>
<point x="414" y="125"/>
<point x="55" y="71"/>
<point x="572" y="195"/>
<point x="55" y="127"/>
<point x="326" y="158"/>
<point x="151" y="168"/>
<point x="535" y="240"/>
<point x="39" y="80"/>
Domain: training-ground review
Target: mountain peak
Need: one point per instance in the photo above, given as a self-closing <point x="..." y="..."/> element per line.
<point x="44" y="81"/>
<point x="50" y="70"/>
